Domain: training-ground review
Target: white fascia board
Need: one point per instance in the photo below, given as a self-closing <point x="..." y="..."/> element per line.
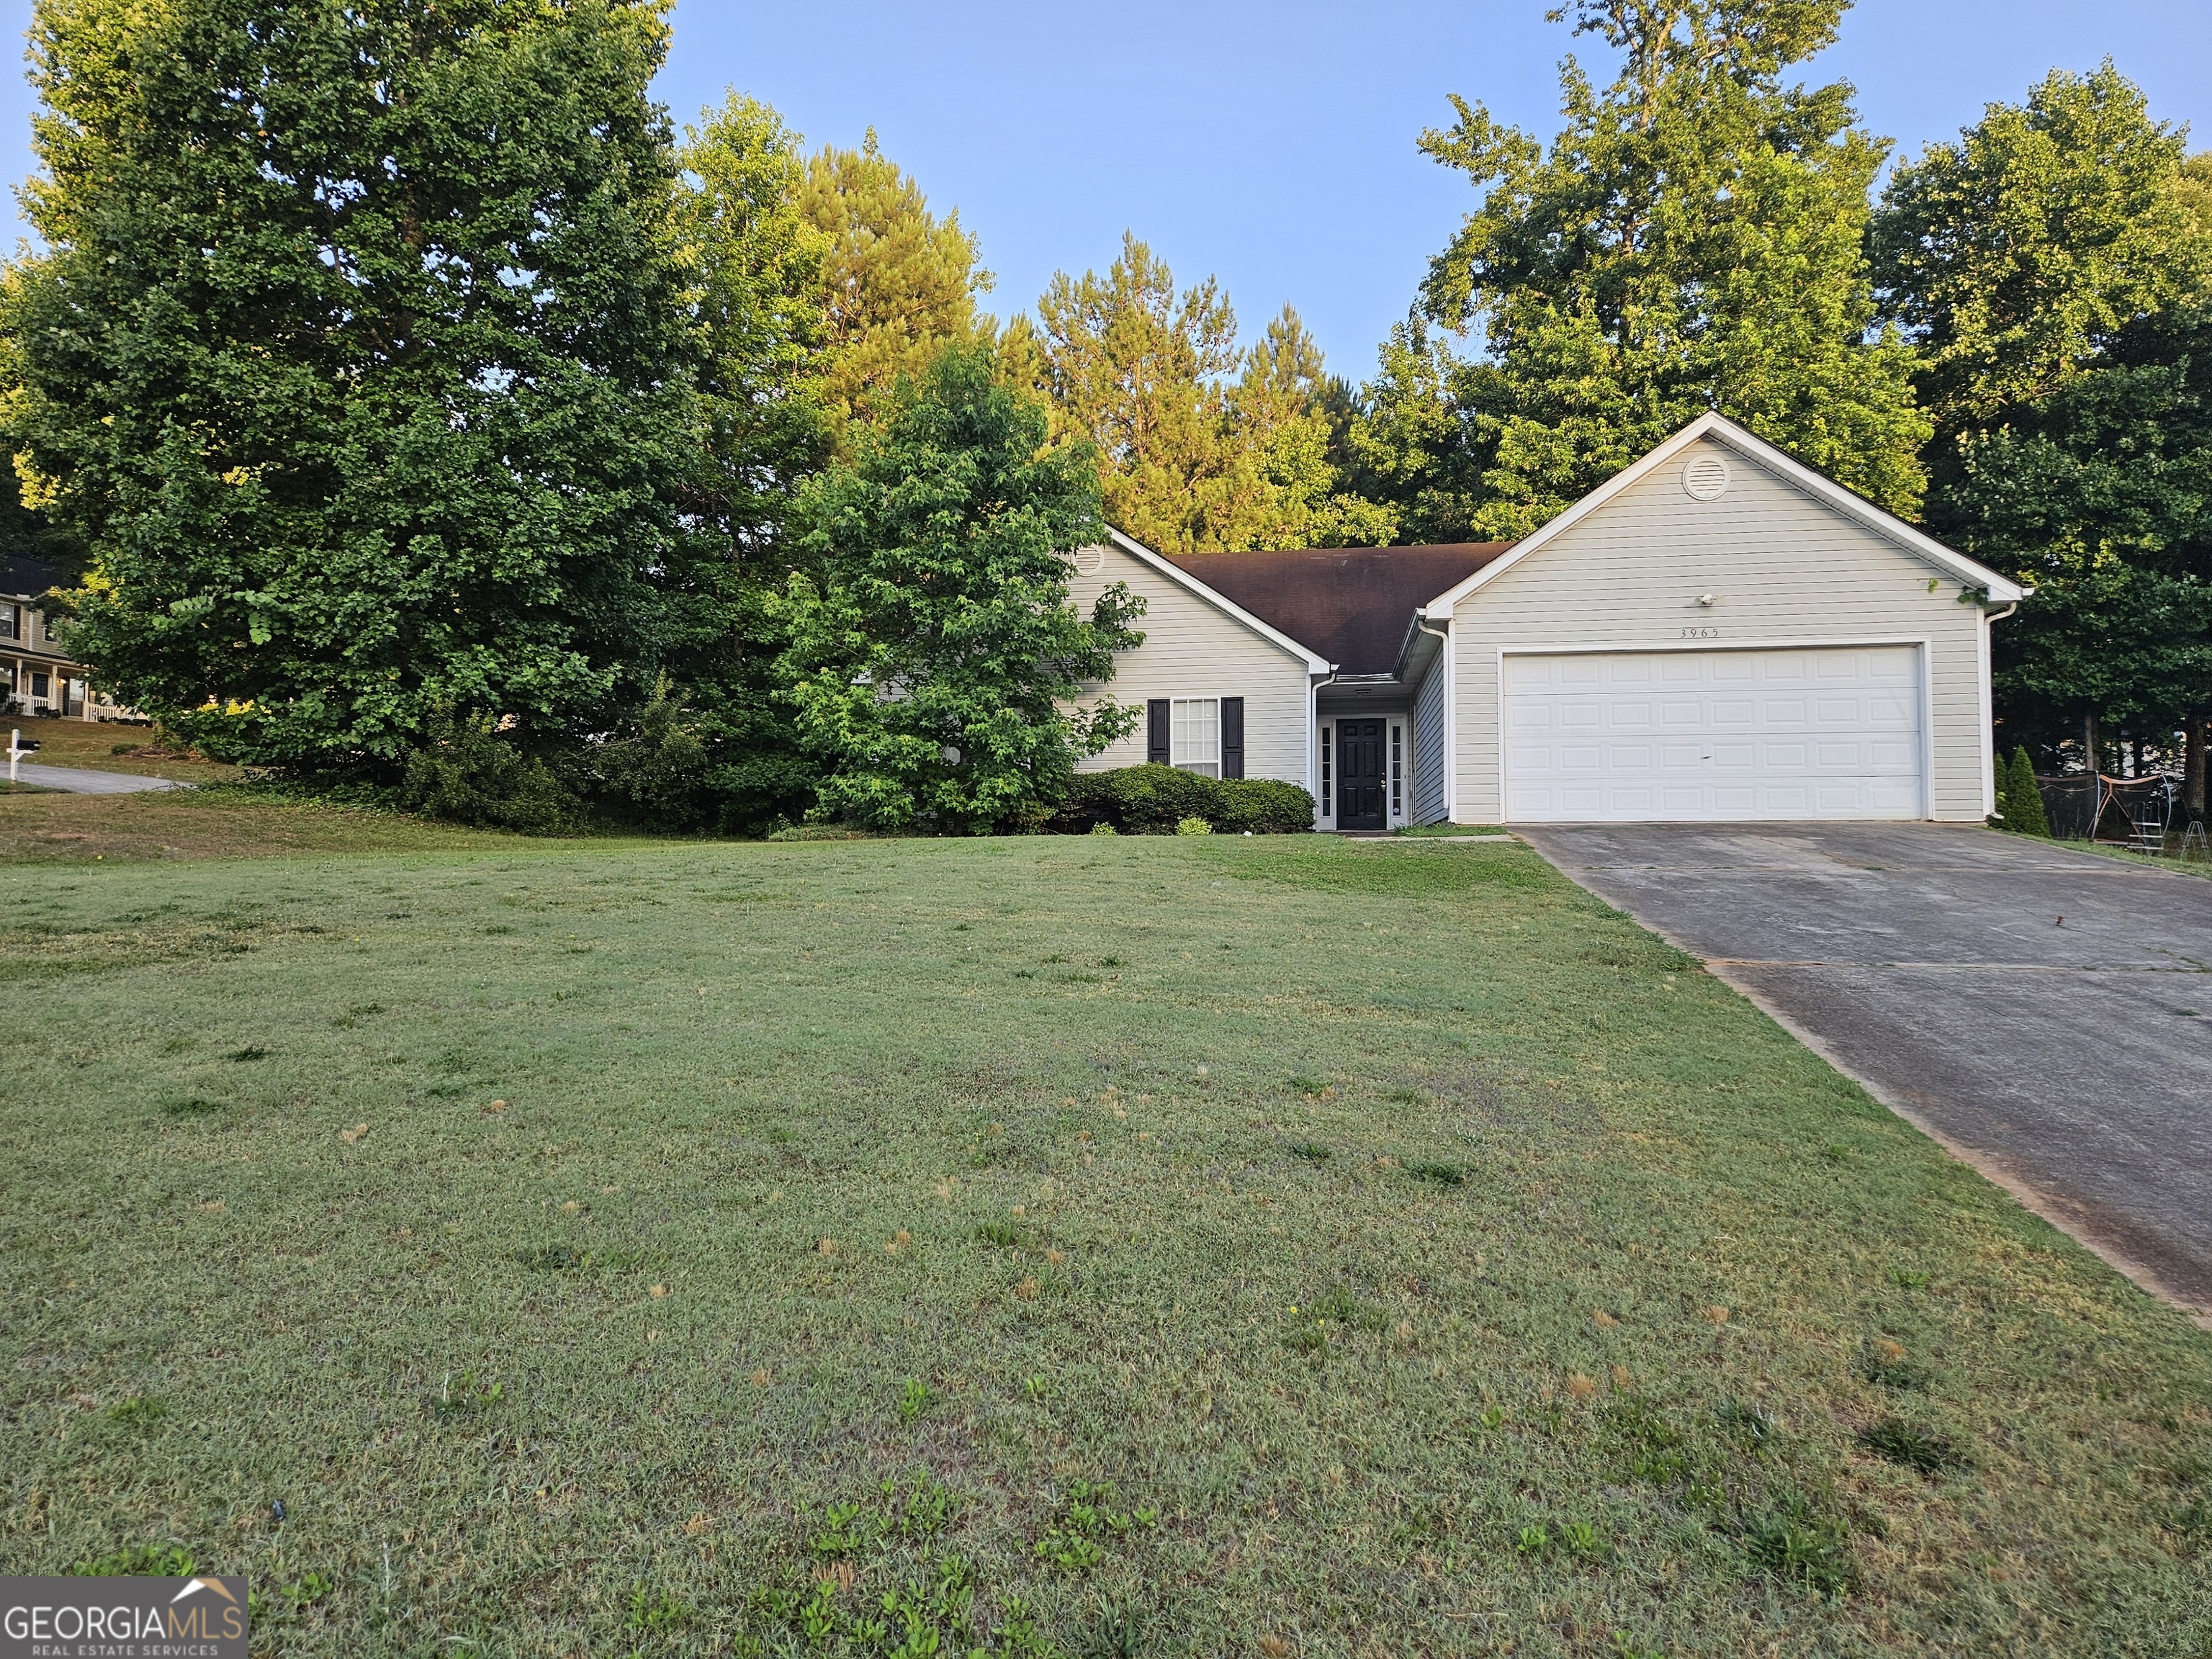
<point x="1891" y="528"/>
<point x="1175" y="573"/>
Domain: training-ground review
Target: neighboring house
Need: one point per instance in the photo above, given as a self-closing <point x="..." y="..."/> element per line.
<point x="1718" y="633"/>
<point x="36" y="676"/>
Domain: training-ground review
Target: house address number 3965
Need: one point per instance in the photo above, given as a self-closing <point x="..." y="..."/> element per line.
<point x="1701" y="633"/>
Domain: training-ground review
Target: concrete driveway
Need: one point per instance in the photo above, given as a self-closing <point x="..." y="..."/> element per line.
<point x="2070" y="1059"/>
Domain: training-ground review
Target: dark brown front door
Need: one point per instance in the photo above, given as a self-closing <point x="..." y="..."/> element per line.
<point x="1360" y="803"/>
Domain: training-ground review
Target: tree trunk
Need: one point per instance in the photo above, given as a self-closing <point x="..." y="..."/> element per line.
<point x="2192" y="769"/>
<point x="2090" y="744"/>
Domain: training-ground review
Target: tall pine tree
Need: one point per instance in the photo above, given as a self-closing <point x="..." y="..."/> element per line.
<point x="1692" y="240"/>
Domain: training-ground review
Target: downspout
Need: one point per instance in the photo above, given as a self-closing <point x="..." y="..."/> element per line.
<point x="1313" y="735"/>
<point x="1443" y="658"/>
<point x="1989" y="715"/>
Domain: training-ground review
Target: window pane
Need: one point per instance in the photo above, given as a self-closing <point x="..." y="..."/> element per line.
<point x="1194" y="734"/>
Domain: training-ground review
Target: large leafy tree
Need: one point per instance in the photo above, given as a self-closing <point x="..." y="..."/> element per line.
<point x="2010" y="257"/>
<point x="934" y="659"/>
<point x="2099" y="493"/>
<point x="358" y="359"/>
<point x="898" y="283"/>
<point x="712" y="747"/>
<point x="1202" y="446"/>
<point x="1693" y="239"/>
<point x="2050" y="266"/>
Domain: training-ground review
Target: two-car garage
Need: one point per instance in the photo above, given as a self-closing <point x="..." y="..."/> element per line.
<point x="1610" y="736"/>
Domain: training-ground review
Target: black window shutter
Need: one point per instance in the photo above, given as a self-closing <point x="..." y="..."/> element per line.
<point x="1156" y="731"/>
<point x="1232" y="736"/>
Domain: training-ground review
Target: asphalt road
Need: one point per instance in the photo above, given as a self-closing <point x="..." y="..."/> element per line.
<point x="80" y="781"/>
<point x="2046" y="1011"/>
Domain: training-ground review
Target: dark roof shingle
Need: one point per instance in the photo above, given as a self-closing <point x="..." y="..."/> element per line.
<point x="1350" y="605"/>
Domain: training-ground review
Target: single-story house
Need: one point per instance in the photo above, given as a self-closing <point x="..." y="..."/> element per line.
<point x="1718" y="633"/>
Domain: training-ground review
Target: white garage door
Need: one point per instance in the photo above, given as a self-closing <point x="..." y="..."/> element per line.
<point x="1826" y="733"/>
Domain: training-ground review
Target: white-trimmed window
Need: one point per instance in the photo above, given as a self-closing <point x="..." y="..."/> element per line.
<point x="1194" y="736"/>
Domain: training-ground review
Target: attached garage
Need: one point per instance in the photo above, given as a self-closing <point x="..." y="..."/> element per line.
<point x="1716" y="634"/>
<point x="1834" y="731"/>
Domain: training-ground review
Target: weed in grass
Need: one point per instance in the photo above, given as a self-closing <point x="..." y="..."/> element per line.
<point x="139" y="1561"/>
<point x="1915" y="1448"/>
<point x="846" y="1529"/>
<point x="1748" y="1422"/>
<point x="1534" y="1541"/>
<point x="306" y="1590"/>
<point x="1793" y="1540"/>
<point x="913" y="1400"/>
<point x="1075" y="1540"/>
<point x="1303" y="1084"/>
<point x="190" y="1106"/>
<point x="253" y="1052"/>
<point x="655" y="1610"/>
<point x="924" y="1508"/>
<point x="1428" y="1168"/>
<point x="1311" y="1150"/>
<point x="2193" y="1523"/>
<point x="1115" y="1630"/>
<point x="465" y="1394"/>
<point x="1583" y="1540"/>
<point x="1039" y="1388"/>
<point x="1407" y="1097"/>
<point x="1492" y="1419"/>
<point x="136" y="1413"/>
<point x="1909" y="1279"/>
<point x="999" y="1234"/>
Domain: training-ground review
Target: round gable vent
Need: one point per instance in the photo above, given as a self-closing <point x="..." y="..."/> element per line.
<point x="1090" y="561"/>
<point x="1706" y="479"/>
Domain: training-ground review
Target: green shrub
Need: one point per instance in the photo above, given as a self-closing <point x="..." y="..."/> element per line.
<point x="469" y="773"/>
<point x="1194" y="826"/>
<point x="2022" y="801"/>
<point x="1154" y="800"/>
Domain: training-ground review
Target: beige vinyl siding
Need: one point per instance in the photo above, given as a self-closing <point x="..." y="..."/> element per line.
<point x="1192" y="648"/>
<point x="1786" y="569"/>
<point x="1424" y="798"/>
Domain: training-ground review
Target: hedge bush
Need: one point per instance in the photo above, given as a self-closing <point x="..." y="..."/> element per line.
<point x="1151" y="800"/>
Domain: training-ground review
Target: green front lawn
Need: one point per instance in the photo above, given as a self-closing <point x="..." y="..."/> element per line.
<point x="1156" y="1245"/>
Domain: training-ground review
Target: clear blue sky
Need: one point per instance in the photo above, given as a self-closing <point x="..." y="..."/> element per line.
<point x="1272" y="144"/>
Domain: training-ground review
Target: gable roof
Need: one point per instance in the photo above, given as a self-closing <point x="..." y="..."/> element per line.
<point x="1825" y="490"/>
<point x="1136" y="550"/>
<point x="1349" y="604"/>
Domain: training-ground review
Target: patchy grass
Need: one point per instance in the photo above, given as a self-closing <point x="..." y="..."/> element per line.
<point x="723" y="1248"/>
<point x="2172" y="863"/>
<point x="48" y="827"/>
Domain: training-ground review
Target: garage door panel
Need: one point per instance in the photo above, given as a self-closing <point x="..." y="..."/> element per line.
<point x="1804" y="733"/>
